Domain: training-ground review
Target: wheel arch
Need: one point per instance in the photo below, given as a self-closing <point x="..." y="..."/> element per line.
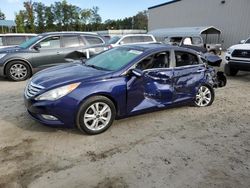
<point x="17" y="59"/>
<point x="104" y="95"/>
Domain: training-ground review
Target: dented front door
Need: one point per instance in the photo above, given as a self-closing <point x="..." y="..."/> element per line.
<point x="153" y="89"/>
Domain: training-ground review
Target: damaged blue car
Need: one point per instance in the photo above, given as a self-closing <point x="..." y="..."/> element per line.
<point x="118" y="83"/>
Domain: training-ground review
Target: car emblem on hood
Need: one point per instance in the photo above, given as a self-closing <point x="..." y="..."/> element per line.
<point x="244" y="53"/>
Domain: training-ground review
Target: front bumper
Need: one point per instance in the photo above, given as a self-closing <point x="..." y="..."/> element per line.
<point x="239" y="65"/>
<point x="64" y="110"/>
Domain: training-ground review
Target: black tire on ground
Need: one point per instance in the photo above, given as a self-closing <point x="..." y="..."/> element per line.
<point x="85" y="107"/>
<point x="221" y="79"/>
<point x="229" y="71"/>
<point x="18" y="64"/>
<point x="211" y="96"/>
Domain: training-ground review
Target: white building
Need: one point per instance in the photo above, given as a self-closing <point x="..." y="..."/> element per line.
<point x="230" y="16"/>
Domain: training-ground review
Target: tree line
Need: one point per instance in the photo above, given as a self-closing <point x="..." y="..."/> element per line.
<point x="36" y="17"/>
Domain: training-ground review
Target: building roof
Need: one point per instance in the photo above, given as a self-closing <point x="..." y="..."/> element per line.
<point x="184" y="31"/>
<point x="7" y="23"/>
<point x="163" y="4"/>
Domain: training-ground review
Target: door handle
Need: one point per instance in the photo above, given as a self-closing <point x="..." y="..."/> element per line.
<point x="58" y="53"/>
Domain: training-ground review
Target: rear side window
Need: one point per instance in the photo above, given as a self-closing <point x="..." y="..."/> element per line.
<point x="185" y="59"/>
<point x="70" y="41"/>
<point x="50" y="43"/>
<point x="14" y="40"/>
<point x="147" y="39"/>
<point x="127" y="40"/>
<point x="159" y="60"/>
<point x="93" y="40"/>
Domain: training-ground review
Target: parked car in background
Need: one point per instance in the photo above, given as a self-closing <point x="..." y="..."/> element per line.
<point x="46" y="50"/>
<point x="196" y="36"/>
<point x="238" y="58"/>
<point x="120" y="82"/>
<point x="14" y="39"/>
<point x="131" y="39"/>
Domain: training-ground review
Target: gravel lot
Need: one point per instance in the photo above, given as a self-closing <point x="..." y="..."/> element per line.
<point x="178" y="147"/>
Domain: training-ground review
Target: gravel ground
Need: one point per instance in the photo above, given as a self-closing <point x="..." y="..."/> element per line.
<point x="178" y="147"/>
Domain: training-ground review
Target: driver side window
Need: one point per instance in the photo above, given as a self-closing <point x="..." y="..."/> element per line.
<point x="185" y="59"/>
<point x="50" y="43"/>
<point x="159" y="60"/>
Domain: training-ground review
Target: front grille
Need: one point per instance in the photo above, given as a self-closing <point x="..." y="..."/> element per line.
<point x="32" y="89"/>
<point x="241" y="53"/>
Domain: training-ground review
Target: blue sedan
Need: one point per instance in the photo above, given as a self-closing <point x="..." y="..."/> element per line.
<point x="118" y="83"/>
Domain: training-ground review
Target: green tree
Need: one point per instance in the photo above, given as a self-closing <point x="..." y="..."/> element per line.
<point x="95" y="19"/>
<point x="2" y="15"/>
<point x="49" y="18"/>
<point x="30" y="19"/>
<point x="141" y="20"/>
<point x="20" y="25"/>
<point x="58" y="14"/>
<point x="40" y="9"/>
<point x="85" y="16"/>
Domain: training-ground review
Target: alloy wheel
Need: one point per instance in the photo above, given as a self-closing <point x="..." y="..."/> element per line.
<point x="203" y="97"/>
<point x="18" y="71"/>
<point x="97" y="116"/>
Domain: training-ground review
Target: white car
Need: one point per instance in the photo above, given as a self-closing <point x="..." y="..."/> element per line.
<point x="131" y="39"/>
<point x="238" y="58"/>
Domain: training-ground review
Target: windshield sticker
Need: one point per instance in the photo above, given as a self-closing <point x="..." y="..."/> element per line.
<point x="137" y="52"/>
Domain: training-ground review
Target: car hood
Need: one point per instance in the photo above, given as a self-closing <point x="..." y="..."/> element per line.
<point x="240" y="47"/>
<point x="11" y="49"/>
<point x="66" y="74"/>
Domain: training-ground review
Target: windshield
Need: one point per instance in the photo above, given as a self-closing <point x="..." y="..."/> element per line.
<point x="29" y="42"/>
<point x="113" y="40"/>
<point x="113" y="59"/>
<point x="248" y="41"/>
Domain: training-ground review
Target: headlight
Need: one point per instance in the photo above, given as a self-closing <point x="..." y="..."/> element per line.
<point x="57" y="93"/>
<point x="229" y="50"/>
<point x="2" y="55"/>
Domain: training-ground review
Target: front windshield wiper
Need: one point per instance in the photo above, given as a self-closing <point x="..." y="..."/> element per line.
<point x="95" y="67"/>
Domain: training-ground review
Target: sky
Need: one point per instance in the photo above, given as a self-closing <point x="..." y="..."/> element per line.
<point x="109" y="9"/>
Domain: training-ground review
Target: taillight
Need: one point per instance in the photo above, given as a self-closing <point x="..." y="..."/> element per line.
<point x="110" y="46"/>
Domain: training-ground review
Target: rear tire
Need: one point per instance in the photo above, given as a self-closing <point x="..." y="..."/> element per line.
<point x="229" y="71"/>
<point x="96" y="115"/>
<point x="18" y="71"/>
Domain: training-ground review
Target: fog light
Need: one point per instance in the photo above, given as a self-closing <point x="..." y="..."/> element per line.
<point x="227" y="58"/>
<point x="49" y="117"/>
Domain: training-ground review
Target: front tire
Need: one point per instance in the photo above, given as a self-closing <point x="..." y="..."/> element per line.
<point x="204" y="96"/>
<point x="229" y="71"/>
<point x="18" y="71"/>
<point x="96" y="115"/>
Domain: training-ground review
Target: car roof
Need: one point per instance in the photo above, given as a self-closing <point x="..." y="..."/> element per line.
<point x="158" y="46"/>
<point x="69" y="33"/>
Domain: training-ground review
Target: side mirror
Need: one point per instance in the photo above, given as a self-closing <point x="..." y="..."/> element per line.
<point x="37" y="46"/>
<point x="121" y="43"/>
<point x="242" y="41"/>
<point x="137" y="72"/>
